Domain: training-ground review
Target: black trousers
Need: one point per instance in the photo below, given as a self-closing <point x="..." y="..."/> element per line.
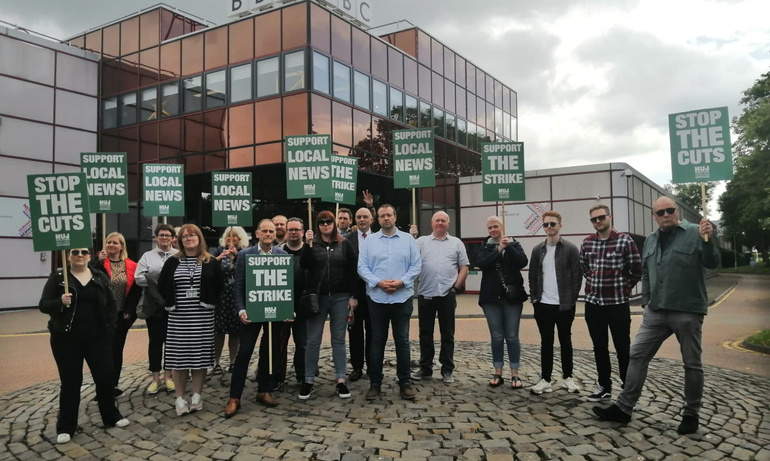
<point x="547" y="317"/>
<point x="360" y="336"/>
<point x="297" y="329"/>
<point x="248" y="340"/>
<point x="616" y="318"/>
<point x="118" y="343"/>
<point x="427" y="310"/>
<point x="156" y="332"/>
<point x="69" y="351"/>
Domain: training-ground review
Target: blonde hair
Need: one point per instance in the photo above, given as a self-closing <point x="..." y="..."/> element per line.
<point x="243" y="237"/>
<point x="495" y="219"/>
<point x="203" y="255"/>
<point x="122" y="240"/>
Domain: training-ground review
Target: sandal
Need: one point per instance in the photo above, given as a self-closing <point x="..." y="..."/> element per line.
<point x="217" y="370"/>
<point x="496" y="381"/>
<point x="516" y="382"/>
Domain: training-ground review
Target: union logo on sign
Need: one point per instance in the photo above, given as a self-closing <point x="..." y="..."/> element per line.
<point x="271" y="312"/>
<point x="232" y="219"/>
<point x="62" y="240"/>
<point x="504" y="193"/>
<point x="339" y="196"/>
<point x="164" y="209"/>
<point x="414" y="180"/>
<point x="309" y="189"/>
<point x="104" y="204"/>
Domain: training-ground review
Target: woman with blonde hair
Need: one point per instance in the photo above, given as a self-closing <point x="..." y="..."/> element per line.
<point x="191" y="283"/>
<point x="114" y="261"/>
<point x="226" y="321"/>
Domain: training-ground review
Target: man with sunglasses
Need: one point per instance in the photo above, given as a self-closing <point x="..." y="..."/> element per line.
<point x="612" y="267"/>
<point x="674" y="259"/>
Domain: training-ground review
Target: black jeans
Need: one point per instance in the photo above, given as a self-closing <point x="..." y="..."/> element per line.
<point x="427" y="309"/>
<point x="616" y="318"/>
<point x="547" y="317"/>
<point x="266" y="381"/>
<point x="360" y="336"/>
<point x="69" y="351"/>
<point x="118" y="343"/>
<point x="156" y="332"/>
<point x="297" y="329"/>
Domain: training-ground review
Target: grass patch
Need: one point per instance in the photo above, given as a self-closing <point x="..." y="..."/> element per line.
<point x="762" y="338"/>
<point x="759" y="269"/>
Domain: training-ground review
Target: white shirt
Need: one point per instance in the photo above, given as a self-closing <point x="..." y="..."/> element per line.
<point x="550" y="287"/>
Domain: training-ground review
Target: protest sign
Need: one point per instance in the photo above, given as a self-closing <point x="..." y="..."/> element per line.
<point x="700" y="146"/>
<point x="308" y="166"/>
<point x="107" y="176"/>
<point x="231" y="199"/>
<point x="414" y="158"/>
<point x="269" y="287"/>
<point x="60" y="215"/>
<point x="343" y="178"/>
<point x="163" y="189"/>
<point x="502" y="171"/>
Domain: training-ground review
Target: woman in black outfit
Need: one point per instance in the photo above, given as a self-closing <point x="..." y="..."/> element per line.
<point x="82" y="324"/>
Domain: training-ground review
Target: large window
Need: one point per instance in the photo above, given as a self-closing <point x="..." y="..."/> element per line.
<point x="294" y="71"/>
<point x="379" y="98"/>
<point x="109" y="113"/>
<point x="426" y="118"/>
<point x="462" y="132"/>
<point x="341" y="81"/>
<point x="149" y="105"/>
<point x="191" y="88"/>
<point x="451" y="129"/>
<point x="396" y="104"/>
<point x="267" y="77"/>
<point x="216" y="89"/>
<point x="169" y="103"/>
<point x="321" y="73"/>
<point x="438" y="122"/>
<point x="240" y="83"/>
<point x="128" y="109"/>
<point x="411" y="116"/>
<point x="361" y="90"/>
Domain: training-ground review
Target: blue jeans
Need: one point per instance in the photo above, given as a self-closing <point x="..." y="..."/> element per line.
<point x="336" y="308"/>
<point x="382" y="316"/>
<point x="657" y="326"/>
<point x="503" y="320"/>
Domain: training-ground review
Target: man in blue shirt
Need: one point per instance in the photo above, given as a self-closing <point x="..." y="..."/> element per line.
<point x="389" y="262"/>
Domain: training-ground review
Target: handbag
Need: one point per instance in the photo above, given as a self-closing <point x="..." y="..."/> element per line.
<point x="511" y="293"/>
<point x="309" y="303"/>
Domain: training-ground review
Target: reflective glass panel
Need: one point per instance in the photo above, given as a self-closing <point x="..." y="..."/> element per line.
<point x="128" y="109"/>
<point x="438" y="90"/>
<point x="294" y="71"/>
<point x="267" y="122"/>
<point x="459" y="71"/>
<point x="169" y="94"/>
<point x="462" y="132"/>
<point x="340" y="39"/>
<point x="129" y="36"/>
<point x="410" y="75"/>
<point x="191" y="88"/>
<point x="507" y="125"/>
<point x="215" y="48"/>
<point x="109" y="113"/>
<point x="267" y="77"/>
<point x="426" y="118"/>
<point x="341" y="81"/>
<point x="342" y="129"/>
<point x="294" y="26"/>
<point x="437" y="53"/>
<point x="449" y="64"/>
<point x="295" y="117"/>
<point x="451" y="129"/>
<point x="425" y="78"/>
<point x="149" y="105"/>
<point x="379" y="97"/>
<point x="319" y="28"/>
<point x="396" y="104"/>
<point x="498" y="121"/>
<point x="361" y="90"/>
<point x="379" y="60"/>
<point x="216" y="89"/>
<point x="170" y="64"/>
<point x="395" y="67"/>
<point x="320" y="73"/>
<point x="267" y="30"/>
<point x="438" y="122"/>
<point x="192" y="54"/>
<point x="240" y="83"/>
<point x="411" y="112"/>
<point x="241" y="45"/>
<point x="361" y="49"/>
<point x="459" y="101"/>
<point x="321" y="117"/>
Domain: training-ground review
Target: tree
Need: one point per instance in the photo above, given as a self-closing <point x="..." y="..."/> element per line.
<point x="745" y="205"/>
<point x="690" y="194"/>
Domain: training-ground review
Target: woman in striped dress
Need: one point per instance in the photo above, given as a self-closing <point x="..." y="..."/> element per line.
<point x="191" y="283"/>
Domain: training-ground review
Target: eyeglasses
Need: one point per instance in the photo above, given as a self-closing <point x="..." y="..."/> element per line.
<point x="665" y="211"/>
<point x="293" y="230"/>
<point x="325" y="222"/>
<point x="165" y="236"/>
<point x="80" y="252"/>
<point x="546" y="225"/>
<point x="601" y="217"/>
<point x="189" y="237"/>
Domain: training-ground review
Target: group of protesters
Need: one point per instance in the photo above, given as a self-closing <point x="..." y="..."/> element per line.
<point x="364" y="283"/>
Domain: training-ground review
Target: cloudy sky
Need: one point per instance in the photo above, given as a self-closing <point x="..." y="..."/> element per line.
<point x="595" y="79"/>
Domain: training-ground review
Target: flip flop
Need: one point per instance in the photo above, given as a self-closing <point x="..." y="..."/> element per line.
<point x="497" y="378"/>
<point x="516" y="382"/>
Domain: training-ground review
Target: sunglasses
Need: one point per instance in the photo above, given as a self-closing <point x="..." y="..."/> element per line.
<point x="665" y="211"/>
<point x="80" y="252"/>
<point x="601" y="217"/>
<point x="325" y="222"/>
<point x="546" y="225"/>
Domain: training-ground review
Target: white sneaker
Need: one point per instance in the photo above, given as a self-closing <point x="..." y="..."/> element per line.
<point x="196" y="403"/>
<point x="571" y="385"/>
<point x="123" y="422"/>
<point x="181" y="406"/>
<point x="63" y="438"/>
<point x="540" y="387"/>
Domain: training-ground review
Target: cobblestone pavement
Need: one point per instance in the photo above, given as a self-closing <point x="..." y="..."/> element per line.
<point x="464" y="420"/>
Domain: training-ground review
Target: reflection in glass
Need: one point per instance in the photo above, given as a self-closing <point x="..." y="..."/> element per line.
<point x="191" y="88"/>
<point x="396" y="104"/>
<point x="426" y="119"/>
<point x="438" y="122"/>
<point x="472" y="139"/>
<point x="149" y="105"/>
<point x="462" y="132"/>
<point x="320" y="73"/>
<point x="412" y="115"/>
<point x="294" y="71"/>
<point x="498" y="121"/>
<point x="109" y="113"/>
<point x="267" y="77"/>
<point x="506" y="125"/>
<point x="169" y="94"/>
<point x="451" y="130"/>
<point x="379" y="97"/>
<point x="240" y="83"/>
<point x="216" y="89"/>
<point x="361" y="90"/>
<point x="341" y="81"/>
<point x="128" y="109"/>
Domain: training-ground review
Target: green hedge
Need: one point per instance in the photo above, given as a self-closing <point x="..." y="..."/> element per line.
<point x="728" y="258"/>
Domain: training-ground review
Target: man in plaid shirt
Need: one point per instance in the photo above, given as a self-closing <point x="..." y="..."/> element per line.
<point x="612" y="267"/>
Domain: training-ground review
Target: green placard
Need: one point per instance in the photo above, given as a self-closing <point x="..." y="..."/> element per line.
<point x="107" y="176"/>
<point x="502" y="171"/>
<point x="308" y="166"/>
<point x="344" y="177"/>
<point x="163" y="189"/>
<point x="60" y="215"/>
<point x="269" y="287"/>
<point x="414" y="155"/>
<point x="700" y="146"/>
<point x="231" y="199"/>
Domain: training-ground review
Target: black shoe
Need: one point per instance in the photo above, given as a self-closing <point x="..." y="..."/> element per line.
<point x="689" y="425"/>
<point x="306" y="390"/>
<point x="117" y="392"/>
<point x="356" y="374"/>
<point x="343" y="391"/>
<point x="612" y="413"/>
